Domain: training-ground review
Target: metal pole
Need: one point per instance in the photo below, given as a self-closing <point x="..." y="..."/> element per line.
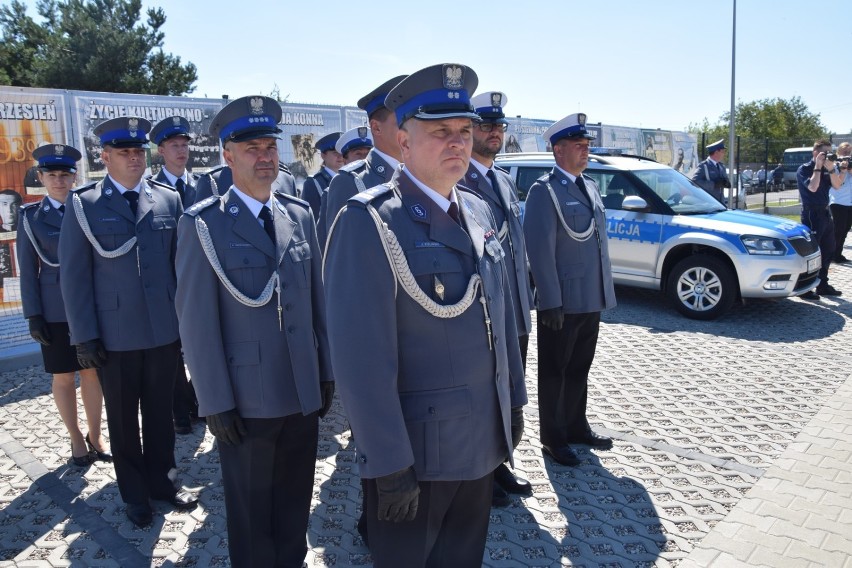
<point x="733" y="101"/>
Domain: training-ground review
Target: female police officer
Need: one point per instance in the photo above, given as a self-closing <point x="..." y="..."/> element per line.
<point x="38" y="244"/>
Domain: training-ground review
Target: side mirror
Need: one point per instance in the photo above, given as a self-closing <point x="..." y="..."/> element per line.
<point x="634" y="203"/>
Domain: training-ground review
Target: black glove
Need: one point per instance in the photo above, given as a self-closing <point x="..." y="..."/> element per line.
<point x="327" y="392"/>
<point x="552" y="318"/>
<point x="517" y="425"/>
<point x="227" y="427"/>
<point x="38" y="329"/>
<point x="91" y="354"/>
<point x="398" y="496"/>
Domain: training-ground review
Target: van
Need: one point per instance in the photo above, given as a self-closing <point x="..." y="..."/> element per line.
<point x="793" y="158"/>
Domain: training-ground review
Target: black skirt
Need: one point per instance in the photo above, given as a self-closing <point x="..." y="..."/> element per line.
<point x="60" y="356"/>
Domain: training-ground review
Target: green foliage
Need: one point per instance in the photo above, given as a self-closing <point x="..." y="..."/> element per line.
<point x="93" y="45"/>
<point x="766" y="127"/>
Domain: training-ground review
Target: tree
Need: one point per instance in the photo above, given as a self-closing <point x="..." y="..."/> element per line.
<point x="94" y="45"/>
<point x="766" y="127"/>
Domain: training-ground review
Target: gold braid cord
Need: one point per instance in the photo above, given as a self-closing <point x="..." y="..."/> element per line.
<point x="210" y="252"/>
<point x="77" y="206"/>
<point x="580" y="237"/>
<point x="39" y="252"/>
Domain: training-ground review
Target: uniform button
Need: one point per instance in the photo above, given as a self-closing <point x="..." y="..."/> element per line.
<point x="230" y="359"/>
<point x="283" y="285"/>
<point x="362" y="459"/>
<point x="245" y="261"/>
<point x="489" y="297"/>
<point x="288" y="307"/>
<point x="291" y="328"/>
<point x="432" y="410"/>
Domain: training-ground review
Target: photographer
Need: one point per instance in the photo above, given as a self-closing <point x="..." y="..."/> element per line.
<point x="841" y="201"/>
<point x="710" y="174"/>
<point x="814" y="179"/>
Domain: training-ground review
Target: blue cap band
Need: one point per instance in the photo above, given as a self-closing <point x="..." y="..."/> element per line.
<point x="375" y="104"/>
<point x="572" y="130"/>
<point x="438" y="101"/>
<point x="53" y="161"/>
<point x="123" y="135"/>
<point x="356" y="143"/>
<point x="169" y="132"/>
<point x="256" y="122"/>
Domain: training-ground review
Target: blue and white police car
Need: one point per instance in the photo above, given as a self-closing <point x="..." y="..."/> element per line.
<point x="666" y="233"/>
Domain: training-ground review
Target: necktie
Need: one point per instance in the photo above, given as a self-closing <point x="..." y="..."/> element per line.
<point x="62" y="209"/>
<point x="265" y="215"/>
<point x="180" y="187"/>
<point x="133" y="200"/>
<point x="453" y="212"/>
<point x="492" y="177"/>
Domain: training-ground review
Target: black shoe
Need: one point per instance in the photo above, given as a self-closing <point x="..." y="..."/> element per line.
<point x="500" y="498"/>
<point x="828" y="290"/>
<point x="103" y="456"/>
<point x="139" y="514"/>
<point x="840" y="258"/>
<point x="84" y="460"/>
<point x="810" y="295"/>
<point x="182" y="500"/>
<point x="563" y="455"/>
<point x="590" y="438"/>
<point x="183" y="427"/>
<point x="507" y="481"/>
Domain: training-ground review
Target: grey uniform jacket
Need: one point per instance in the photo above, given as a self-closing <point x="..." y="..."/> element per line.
<point x="418" y="389"/>
<point x="220" y="179"/>
<point x="575" y="275"/>
<point x="238" y="355"/>
<point x="507" y="213"/>
<point x="40" y="291"/>
<point x="373" y="170"/>
<point x="313" y="190"/>
<point x="707" y="174"/>
<point x="128" y="301"/>
<point x="189" y="189"/>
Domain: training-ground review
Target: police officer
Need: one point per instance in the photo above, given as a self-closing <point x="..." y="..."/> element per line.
<point x="565" y="228"/>
<point x="420" y="342"/>
<point x="814" y="179"/>
<point x="252" y="321"/>
<point x="497" y="189"/>
<point x="38" y="261"/>
<point x="376" y="168"/>
<point x="119" y="289"/>
<point x="316" y="185"/>
<point x="354" y="144"/>
<point x="172" y="137"/>
<point x="710" y="174"/>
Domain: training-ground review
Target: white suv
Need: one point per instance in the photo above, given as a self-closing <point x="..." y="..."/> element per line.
<point x="668" y="234"/>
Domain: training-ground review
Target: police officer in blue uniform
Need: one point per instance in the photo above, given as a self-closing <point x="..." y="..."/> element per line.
<point x="424" y="342"/>
<point x="376" y="168"/>
<point x="38" y="261"/>
<point x="565" y="229"/>
<point x="252" y="321"/>
<point x="316" y="185"/>
<point x="172" y="137"/>
<point x="119" y="292"/>
<point x="497" y="189"/>
<point x="710" y="174"/>
<point x="814" y="179"/>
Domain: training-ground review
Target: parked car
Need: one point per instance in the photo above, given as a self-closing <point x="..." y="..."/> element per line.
<point x="668" y="234"/>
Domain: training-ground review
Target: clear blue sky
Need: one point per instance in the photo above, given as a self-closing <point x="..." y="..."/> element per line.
<point x="657" y="64"/>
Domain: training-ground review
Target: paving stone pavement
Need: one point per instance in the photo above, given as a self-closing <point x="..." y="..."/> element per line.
<point x="732" y="449"/>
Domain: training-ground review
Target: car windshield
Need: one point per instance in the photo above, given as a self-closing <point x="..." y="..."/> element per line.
<point x="684" y="197"/>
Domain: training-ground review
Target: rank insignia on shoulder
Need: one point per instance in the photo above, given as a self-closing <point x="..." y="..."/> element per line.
<point x="372" y="193"/>
<point x="202" y="205"/>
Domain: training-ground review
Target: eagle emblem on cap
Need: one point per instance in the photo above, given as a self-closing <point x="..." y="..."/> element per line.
<point x="496" y="99"/>
<point x="176" y="120"/>
<point x="133" y="127"/>
<point x="256" y="105"/>
<point x="58" y="150"/>
<point x="453" y="76"/>
<point x="362" y="132"/>
<point x="581" y="119"/>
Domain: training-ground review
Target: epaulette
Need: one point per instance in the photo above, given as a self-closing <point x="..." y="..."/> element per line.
<point x="281" y="194"/>
<point x="502" y="169"/>
<point x="202" y="205"/>
<point x="283" y="168"/>
<point x="27" y="206"/>
<point x="159" y="184"/>
<point x="215" y="170"/>
<point x="353" y="167"/>
<point x="86" y="187"/>
<point x="370" y="194"/>
<point x="545" y="177"/>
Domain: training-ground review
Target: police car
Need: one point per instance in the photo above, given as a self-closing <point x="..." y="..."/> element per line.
<point x="666" y="233"/>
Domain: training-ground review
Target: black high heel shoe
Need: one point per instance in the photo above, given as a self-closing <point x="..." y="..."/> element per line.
<point x="103" y="456"/>
<point x="82" y="461"/>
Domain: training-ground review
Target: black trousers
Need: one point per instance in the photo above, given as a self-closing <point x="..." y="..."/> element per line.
<point x="185" y="404"/>
<point x="819" y="220"/>
<point x="842" y="223"/>
<point x="449" y="530"/>
<point x="134" y="380"/>
<point x="564" y="360"/>
<point x="268" y="480"/>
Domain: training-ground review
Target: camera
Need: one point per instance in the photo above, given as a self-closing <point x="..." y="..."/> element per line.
<point x="831" y="157"/>
<point x="842" y="161"/>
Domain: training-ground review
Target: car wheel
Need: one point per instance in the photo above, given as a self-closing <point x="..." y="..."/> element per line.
<point x="701" y="287"/>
